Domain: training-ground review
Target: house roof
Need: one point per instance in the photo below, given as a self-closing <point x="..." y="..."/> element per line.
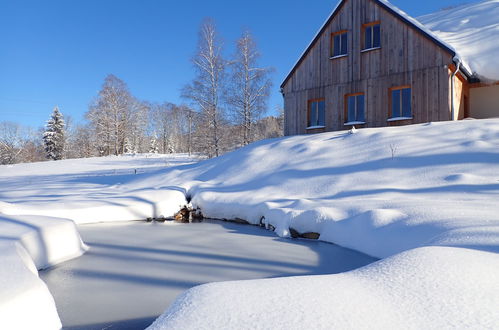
<point x="473" y="30"/>
<point x="397" y="13"/>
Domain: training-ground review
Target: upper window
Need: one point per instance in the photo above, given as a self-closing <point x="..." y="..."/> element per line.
<point x="316" y="113"/>
<point x="401" y="103"/>
<point x="339" y="43"/>
<point x="355" y="109"/>
<point x="372" y="35"/>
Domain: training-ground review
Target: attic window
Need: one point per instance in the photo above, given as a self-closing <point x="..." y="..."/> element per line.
<point x="339" y="44"/>
<point x="372" y="35"/>
<point x="316" y="113"/>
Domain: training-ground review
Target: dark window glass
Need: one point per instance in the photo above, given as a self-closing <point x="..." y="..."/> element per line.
<point x="321" y="121"/>
<point x="368" y="36"/>
<point x="406" y="102"/>
<point x="376" y="36"/>
<point x="351" y="109"/>
<point x="360" y="108"/>
<point x="396" y="103"/>
<point x="355" y="110"/>
<point x="317" y="113"/>
<point x="336" y="47"/>
<point x="312" y="117"/>
<point x="339" y="44"/>
<point x="344" y="44"/>
<point x="401" y="103"/>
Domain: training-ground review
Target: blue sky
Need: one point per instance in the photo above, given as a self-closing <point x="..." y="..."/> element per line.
<point x="57" y="52"/>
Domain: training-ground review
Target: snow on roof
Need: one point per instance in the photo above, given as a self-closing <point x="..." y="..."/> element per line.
<point x="473" y="30"/>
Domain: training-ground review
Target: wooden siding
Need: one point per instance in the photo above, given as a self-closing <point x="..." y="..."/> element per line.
<point x="406" y="57"/>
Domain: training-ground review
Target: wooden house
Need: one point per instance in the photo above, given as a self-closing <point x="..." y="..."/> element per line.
<point x="371" y="65"/>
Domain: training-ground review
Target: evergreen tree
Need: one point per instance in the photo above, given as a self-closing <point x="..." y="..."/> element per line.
<point x="54" y="136"/>
<point x="153" y="149"/>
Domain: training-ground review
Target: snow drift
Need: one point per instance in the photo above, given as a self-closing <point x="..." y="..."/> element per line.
<point x="28" y="243"/>
<point x="425" y="288"/>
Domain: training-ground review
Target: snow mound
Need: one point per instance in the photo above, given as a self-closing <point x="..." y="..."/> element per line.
<point x="473" y="30"/>
<point x="94" y="189"/>
<point x="28" y="243"/>
<point x="380" y="191"/>
<point x="425" y="288"/>
<point x="25" y="302"/>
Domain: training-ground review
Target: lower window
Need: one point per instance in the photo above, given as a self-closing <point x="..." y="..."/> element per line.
<point x="317" y="113"/>
<point x="355" y="109"/>
<point x="401" y="103"/>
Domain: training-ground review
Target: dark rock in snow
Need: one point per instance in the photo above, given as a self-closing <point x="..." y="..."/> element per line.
<point x="240" y="221"/>
<point x="294" y="233"/>
<point x="310" y="235"/>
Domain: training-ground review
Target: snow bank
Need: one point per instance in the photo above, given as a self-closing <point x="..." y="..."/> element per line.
<point x="93" y="190"/>
<point x="28" y="243"/>
<point x="473" y="30"/>
<point x="425" y="288"/>
<point x="379" y="191"/>
<point x="25" y="301"/>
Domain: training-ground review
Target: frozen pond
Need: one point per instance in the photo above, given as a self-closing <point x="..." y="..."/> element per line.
<point x="134" y="270"/>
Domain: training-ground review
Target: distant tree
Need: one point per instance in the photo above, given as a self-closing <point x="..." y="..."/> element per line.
<point x="153" y="148"/>
<point x="11" y="142"/>
<point x="110" y="116"/>
<point x="206" y="89"/>
<point x="249" y="88"/>
<point x="54" y="136"/>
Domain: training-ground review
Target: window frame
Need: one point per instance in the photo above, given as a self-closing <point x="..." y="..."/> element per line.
<point x="400" y="88"/>
<point x="331" y="43"/>
<point x="354" y="122"/>
<point x="309" y="111"/>
<point x="363" y="39"/>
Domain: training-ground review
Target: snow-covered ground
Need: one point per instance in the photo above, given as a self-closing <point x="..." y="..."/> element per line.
<point x="431" y="190"/>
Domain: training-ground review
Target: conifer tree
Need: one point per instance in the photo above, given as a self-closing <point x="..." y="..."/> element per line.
<point x="54" y="136"/>
<point x="153" y="149"/>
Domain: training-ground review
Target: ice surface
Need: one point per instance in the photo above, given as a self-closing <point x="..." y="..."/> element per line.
<point x="134" y="270"/>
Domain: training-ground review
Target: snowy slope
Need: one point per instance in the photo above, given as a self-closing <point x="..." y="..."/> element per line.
<point x="429" y="189"/>
<point x="473" y="30"/>
<point x="425" y="288"/>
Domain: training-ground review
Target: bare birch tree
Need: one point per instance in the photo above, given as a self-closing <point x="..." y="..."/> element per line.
<point x="110" y="115"/>
<point x="250" y="87"/>
<point x="205" y="90"/>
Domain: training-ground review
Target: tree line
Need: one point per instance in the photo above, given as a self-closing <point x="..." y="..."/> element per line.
<point x="225" y="107"/>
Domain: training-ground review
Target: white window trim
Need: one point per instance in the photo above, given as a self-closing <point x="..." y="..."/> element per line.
<point x="338" y="56"/>
<point x="351" y="123"/>
<point x="369" y="49"/>
<point x="316" y="127"/>
<point x="399" y="118"/>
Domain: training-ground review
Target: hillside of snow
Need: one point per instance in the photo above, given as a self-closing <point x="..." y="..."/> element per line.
<point x="472" y="29"/>
<point x="429" y="191"/>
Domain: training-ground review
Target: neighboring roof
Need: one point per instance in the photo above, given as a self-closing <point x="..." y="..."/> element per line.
<point x="472" y="29"/>
<point x="397" y="13"/>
